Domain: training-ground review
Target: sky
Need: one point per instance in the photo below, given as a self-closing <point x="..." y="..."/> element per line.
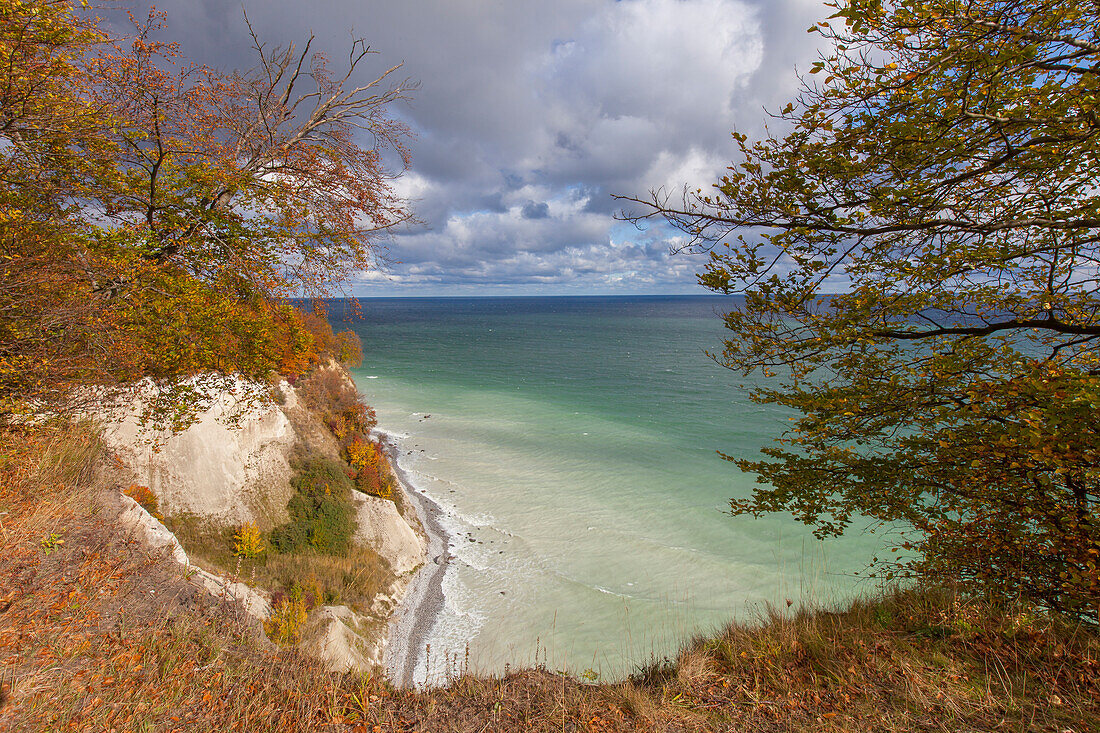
<point x="529" y="116"/>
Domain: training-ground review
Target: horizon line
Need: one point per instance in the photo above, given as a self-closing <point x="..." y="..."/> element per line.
<point x="516" y="295"/>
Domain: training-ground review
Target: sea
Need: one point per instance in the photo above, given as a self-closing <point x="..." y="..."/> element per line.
<point x="573" y="444"/>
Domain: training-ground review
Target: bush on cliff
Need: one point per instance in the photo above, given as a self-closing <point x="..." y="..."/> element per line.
<point x="322" y="516"/>
<point x="334" y="397"/>
<point x="373" y="473"/>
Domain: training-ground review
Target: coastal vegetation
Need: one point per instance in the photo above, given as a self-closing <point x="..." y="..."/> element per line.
<point x="917" y="248"/>
<point x="86" y="646"/>
<point x="312" y="558"/>
<point x="322" y="516"/>
<point x="335" y="398"/>
<point x="156" y="216"/>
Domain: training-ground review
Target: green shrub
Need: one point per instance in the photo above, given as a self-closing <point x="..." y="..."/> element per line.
<point x="322" y="515"/>
<point x="290" y="537"/>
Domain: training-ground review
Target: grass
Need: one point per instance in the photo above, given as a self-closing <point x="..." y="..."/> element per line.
<point x="100" y="634"/>
<point x="85" y="645"/>
<point x="353" y="578"/>
<point x="906" y="660"/>
<point x="313" y="555"/>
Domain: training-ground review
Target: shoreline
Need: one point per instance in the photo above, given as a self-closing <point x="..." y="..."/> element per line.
<point x="422" y="605"/>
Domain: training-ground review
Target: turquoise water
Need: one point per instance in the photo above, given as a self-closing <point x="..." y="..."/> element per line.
<point x="572" y="443"/>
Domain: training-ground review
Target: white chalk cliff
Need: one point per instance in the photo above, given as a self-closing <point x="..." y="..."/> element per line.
<point x="231" y="466"/>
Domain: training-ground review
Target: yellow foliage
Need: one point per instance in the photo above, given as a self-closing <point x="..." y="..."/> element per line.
<point x="360" y="453"/>
<point x="248" y="541"/>
<point x="385" y="486"/>
<point x="312" y="593"/>
<point x="286" y="621"/>
<point x="357" y="452"/>
<point x="340" y="427"/>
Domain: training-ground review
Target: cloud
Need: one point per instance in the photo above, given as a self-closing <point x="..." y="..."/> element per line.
<point x="530" y="115"/>
<point x="532" y="210"/>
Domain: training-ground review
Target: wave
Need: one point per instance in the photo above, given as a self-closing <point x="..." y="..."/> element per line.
<point x="394" y="436"/>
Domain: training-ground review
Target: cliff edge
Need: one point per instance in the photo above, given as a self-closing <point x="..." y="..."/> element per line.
<point x="234" y="466"/>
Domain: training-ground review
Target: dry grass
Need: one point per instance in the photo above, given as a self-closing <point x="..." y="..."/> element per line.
<point x="354" y="578"/>
<point x="907" y="660"/>
<point x="96" y="633"/>
<point x="84" y="645"/>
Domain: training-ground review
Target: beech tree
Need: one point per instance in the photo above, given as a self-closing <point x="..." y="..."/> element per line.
<point x="260" y="176"/>
<point x="50" y="147"/>
<point x="918" y="257"/>
<point x="162" y="213"/>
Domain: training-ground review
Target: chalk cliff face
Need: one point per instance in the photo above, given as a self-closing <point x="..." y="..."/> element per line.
<point x="232" y="465"/>
<point x="385" y="531"/>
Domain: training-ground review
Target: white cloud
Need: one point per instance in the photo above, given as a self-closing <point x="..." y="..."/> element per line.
<point x="694" y="168"/>
<point x="658" y="59"/>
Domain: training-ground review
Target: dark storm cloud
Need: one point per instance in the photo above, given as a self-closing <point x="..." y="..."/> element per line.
<point x="530" y="115"/>
<point x="532" y="210"/>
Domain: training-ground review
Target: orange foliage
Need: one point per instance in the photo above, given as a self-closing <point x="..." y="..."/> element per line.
<point x="343" y="347"/>
<point x="334" y="396"/>
<point x="144" y="496"/>
<point x="157" y="214"/>
<point x="374" y="476"/>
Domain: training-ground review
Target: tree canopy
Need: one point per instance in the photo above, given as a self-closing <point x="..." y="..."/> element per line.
<point x="156" y="215"/>
<point x="918" y="256"/>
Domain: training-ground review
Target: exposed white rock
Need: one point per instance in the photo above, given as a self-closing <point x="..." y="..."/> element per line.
<point x="339" y="637"/>
<point x="155" y="535"/>
<point x="230" y="466"/>
<point x="383" y="605"/>
<point x="384" y="530"/>
<point x="255" y="601"/>
<point x="149" y="528"/>
<point x="288" y="394"/>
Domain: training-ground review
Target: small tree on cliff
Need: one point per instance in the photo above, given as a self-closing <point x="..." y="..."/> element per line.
<point x="938" y="177"/>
